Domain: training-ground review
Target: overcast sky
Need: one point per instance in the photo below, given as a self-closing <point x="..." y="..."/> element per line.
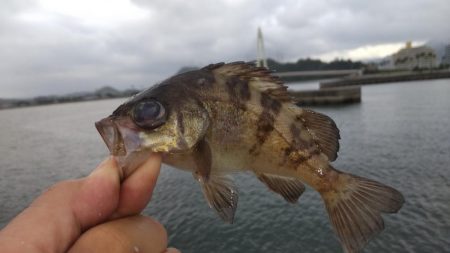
<point x="61" y="46"/>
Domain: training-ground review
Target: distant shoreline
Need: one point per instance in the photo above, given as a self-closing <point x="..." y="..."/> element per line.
<point x="110" y="93"/>
<point x="100" y="94"/>
<point x="57" y="103"/>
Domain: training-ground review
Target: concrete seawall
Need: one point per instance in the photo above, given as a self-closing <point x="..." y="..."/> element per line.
<point x="384" y="78"/>
<point x="329" y="96"/>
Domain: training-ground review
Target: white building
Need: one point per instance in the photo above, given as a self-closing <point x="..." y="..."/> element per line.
<point x="386" y="63"/>
<point x="409" y="58"/>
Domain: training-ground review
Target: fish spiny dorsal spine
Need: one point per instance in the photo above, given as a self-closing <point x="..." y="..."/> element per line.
<point x="261" y="78"/>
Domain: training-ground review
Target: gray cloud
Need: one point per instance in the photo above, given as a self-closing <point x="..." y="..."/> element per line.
<point x="66" y="54"/>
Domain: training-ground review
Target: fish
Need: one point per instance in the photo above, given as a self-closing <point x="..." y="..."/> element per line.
<point x="234" y="117"/>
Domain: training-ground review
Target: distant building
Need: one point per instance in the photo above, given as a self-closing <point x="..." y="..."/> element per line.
<point x="446" y="57"/>
<point x="386" y="63"/>
<point x="409" y="58"/>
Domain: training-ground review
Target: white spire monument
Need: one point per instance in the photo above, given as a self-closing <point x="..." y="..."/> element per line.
<point x="261" y="60"/>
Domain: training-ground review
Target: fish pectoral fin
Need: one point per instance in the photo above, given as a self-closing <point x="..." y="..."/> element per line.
<point x="289" y="188"/>
<point x="203" y="160"/>
<point x="219" y="190"/>
<point x="222" y="195"/>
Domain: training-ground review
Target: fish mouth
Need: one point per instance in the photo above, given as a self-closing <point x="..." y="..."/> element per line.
<point x="122" y="139"/>
<point x="111" y="136"/>
<point x="119" y="137"/>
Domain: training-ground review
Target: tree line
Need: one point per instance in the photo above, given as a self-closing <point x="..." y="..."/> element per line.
<point x="314" y="64"/>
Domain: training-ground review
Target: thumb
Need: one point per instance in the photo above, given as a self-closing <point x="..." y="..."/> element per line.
<point x="57" y="218"/>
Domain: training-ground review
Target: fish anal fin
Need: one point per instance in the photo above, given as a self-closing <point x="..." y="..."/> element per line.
<point x="289" y="188"/>
<point x="221" y="195"/>
<point x="354" y="206"/>
<point x="203" y="160"/>
<point x="323" y="130"/>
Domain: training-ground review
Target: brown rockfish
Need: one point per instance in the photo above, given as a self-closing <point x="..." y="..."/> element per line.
<point x="234" y="117"/>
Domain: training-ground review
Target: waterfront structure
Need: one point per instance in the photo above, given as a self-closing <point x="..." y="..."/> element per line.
<point x="446" y="57"/>
<point x="261" y="60"/>
<point x="401" y="76"/>
<point x="409" y="58"/>
<point x="386" y="63"/>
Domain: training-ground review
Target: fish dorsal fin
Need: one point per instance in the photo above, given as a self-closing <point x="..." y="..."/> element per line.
<point x="259" y="78"/>
<point x="289" y="188"/>
<point x="323" y="130"/>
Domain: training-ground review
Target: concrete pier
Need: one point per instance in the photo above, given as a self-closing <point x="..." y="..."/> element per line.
<point x="384" y="78"/>
<point x="330" y="96"/>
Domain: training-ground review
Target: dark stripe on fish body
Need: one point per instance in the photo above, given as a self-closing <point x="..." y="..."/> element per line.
<point x="180" y="122"/>
<point x="269" y="103"/>
<point x="254" y="149"/>
<point x="265" y="126"/>
<point x="238" y="91"/>
<point x="244" y="91"/>
<point x="266" y="121"/>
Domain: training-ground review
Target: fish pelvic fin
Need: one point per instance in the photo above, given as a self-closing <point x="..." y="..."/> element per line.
<point x="354" y="206"/>
<point x="221" y="194"/>
<point x="289" y="188"/>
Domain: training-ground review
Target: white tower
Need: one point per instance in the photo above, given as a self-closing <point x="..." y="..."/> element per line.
<point x="261" y="60"/>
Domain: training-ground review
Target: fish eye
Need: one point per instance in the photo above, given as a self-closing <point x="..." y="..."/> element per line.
<point x="149" y="114"/>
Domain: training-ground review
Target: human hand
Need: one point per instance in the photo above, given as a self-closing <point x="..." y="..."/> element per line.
<point x="98" y="213"/>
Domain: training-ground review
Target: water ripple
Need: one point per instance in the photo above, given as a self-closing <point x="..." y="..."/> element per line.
<point x="397" y="135"/>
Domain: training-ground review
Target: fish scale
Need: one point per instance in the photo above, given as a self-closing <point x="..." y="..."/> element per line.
<point x="227" y="118"/>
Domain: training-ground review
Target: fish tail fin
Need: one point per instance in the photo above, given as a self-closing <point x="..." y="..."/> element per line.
<point x="354" y="206"/>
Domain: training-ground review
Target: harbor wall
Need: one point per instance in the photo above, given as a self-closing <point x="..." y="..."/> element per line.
<point x="384" y="78"/>
<point x="329" y="96"/>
